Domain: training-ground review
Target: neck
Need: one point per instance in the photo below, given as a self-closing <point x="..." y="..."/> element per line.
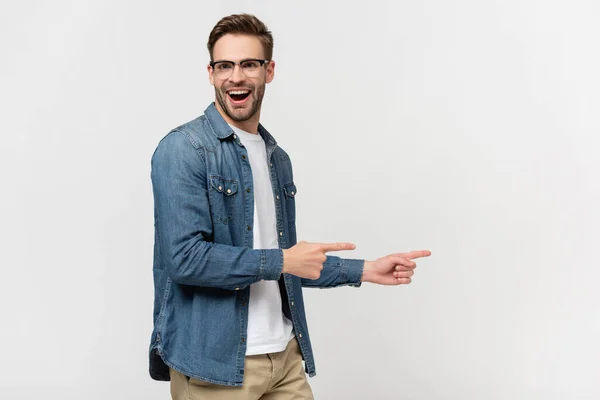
<point x="249" y="125"/>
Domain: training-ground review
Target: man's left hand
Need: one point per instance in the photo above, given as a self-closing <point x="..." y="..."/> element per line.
<point x="395" y="269"/>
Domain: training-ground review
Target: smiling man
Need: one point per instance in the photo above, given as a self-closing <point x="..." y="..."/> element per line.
<point x="229" y="318"/>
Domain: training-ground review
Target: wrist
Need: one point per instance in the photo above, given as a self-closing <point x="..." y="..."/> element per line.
<point x="283" y="266"/>
<point x="366" y="277"/>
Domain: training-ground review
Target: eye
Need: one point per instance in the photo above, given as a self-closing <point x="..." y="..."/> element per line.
<point x="250" y="64"/>
<point x="222" y="66"/>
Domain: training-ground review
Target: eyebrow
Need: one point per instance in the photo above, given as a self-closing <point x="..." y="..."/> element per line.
<point x="245" y="59"/>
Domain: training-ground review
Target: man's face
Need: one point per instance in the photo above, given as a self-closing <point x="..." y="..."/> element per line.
<point x="238" y="96"/>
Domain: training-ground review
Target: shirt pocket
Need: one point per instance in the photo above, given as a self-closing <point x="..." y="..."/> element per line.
<point x="223" y="194"/>
<point x="289" y="193"/>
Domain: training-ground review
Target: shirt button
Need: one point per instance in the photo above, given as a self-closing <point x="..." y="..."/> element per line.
<point x="270" y="164"/>
<point x="277" y="197"/>
<point x="237" y="288"/>
<point x="243" y="340"/>
<point x="292" y="304"/>
<point x="243" y="156"/>
<point x="292" y="193"/>
<point x="235" y="136"/>
<point x="228" y="190"/>
<point x="249" y="228"/>
<point x="280" y="233"/>
<point x="300" y="335"/>
<point x="248" y="190"/>
<point x="220" y="188"/>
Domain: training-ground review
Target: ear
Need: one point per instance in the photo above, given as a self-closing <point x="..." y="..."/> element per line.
<point x="270" y="71"/>
<point x="211" y="77"/>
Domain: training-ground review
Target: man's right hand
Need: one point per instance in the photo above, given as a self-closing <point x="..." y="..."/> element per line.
<point x="305" y="259"/>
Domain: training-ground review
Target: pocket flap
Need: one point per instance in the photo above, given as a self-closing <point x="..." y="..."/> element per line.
<point x="226" y="186"/>
<point x="290" y="190"/>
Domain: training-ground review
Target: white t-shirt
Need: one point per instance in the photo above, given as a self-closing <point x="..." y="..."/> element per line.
<point x="269" y="330"/>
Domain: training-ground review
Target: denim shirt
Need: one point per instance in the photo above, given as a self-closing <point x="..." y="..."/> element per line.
<point x="204" y="261"/>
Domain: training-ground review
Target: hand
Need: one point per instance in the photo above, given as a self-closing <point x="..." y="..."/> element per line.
<point x="395" y="269"/>
<point x="305" y="260"/>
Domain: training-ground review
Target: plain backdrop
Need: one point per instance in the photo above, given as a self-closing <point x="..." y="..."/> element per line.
<point x="466" y="127"/>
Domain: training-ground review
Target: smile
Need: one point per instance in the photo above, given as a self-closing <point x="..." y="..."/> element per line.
<point x="238" y="96"/>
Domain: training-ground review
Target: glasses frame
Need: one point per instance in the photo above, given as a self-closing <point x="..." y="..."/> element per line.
<point x="262" y="62"/>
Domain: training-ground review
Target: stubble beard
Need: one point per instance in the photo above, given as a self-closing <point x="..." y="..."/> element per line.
<point x="239" y="115"/>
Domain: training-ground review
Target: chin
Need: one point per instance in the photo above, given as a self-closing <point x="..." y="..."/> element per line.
<point x="237" y="116"/>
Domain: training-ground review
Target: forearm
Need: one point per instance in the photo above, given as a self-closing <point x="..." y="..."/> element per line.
<point x="202" y="263"/>
<point x="338" y="272"/>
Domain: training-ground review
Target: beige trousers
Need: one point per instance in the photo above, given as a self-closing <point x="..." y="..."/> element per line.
<point x="273" y="376"/>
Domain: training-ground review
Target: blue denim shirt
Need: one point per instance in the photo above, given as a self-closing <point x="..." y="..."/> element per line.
<point x="204" y="261"/>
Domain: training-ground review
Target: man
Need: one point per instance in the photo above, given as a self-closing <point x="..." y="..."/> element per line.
<point x="229" y="320"/>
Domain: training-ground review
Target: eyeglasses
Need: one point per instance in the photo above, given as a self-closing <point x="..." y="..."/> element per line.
<point x="250" y="67"/>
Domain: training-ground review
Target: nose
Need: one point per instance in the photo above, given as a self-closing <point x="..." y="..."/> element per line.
<point x="237" y="75"/>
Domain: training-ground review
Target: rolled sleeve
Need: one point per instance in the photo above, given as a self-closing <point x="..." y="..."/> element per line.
<point x="271" y="264"/>
<point x="352" y="272"/>
<point x="338" y="272"/>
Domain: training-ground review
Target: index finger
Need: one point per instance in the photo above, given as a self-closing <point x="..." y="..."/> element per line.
<point x="415" y="254"/>
<point x="337" y="246"/>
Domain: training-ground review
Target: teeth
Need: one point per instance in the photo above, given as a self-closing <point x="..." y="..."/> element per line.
<point x="238" y="91"/>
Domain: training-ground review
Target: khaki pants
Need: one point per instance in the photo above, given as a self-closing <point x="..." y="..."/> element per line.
<point x="273" y="376"/>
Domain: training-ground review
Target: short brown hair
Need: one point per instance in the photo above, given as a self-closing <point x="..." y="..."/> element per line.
<point x="245" y="24"/>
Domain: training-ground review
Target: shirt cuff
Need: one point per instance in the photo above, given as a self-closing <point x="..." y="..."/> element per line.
<point x="271" y="264"/>
<point x="352" y="272"/>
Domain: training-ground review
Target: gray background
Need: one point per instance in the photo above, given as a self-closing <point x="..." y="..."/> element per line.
<point x="466" y="127"/>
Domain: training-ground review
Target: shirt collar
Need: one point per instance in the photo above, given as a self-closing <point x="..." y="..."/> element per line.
<point x="222" y="130"/>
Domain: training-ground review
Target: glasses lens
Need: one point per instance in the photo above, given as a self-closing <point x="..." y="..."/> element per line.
<point x="223" y="69"/>
<point x="250" y="68"/>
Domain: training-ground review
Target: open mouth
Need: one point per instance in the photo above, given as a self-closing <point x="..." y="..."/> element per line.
<point x="238" y="95"/>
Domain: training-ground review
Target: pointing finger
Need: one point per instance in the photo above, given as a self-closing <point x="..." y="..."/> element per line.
<point x="337" y="246"/>
<point x="415" y="254"/>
